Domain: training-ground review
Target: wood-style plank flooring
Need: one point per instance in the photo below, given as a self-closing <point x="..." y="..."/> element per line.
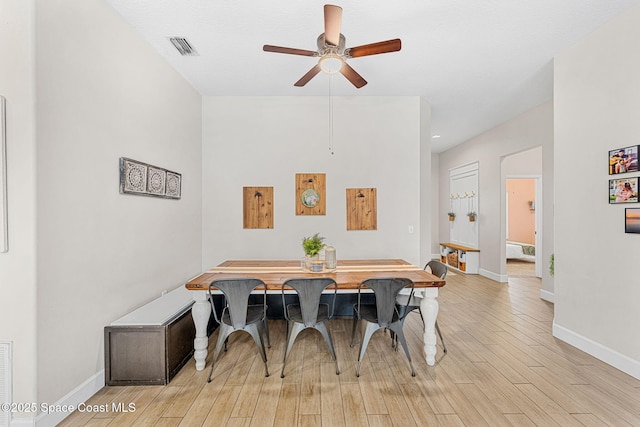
<point x="503" y="368"/>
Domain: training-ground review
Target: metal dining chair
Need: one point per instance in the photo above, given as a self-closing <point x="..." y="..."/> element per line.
<point x="239" y="315"/>
<point x="410" y="303"/>
<point x="308" y="312"/>
<point x="384" y="314"/>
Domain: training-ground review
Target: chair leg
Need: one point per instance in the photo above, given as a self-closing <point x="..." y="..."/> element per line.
<point x="263" y="328"/>
<point x="223" y="336"/>
<point x="400" y="336"/>
<point x="292" y="334"/>
<point x="353" y="328"/>
<point x="266" y="330"/>
<point x="257" y="337"/>
<point x="368" y="332"/>
<point x="322" y="327"/>
<point x="444" y="347"/>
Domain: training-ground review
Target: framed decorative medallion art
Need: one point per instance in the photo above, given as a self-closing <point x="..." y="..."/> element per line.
<point x="147" y="180"/>
<point x="310" y="194"/>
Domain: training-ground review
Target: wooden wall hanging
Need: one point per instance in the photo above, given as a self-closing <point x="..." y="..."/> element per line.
<point x="310" y="194"/>
<point x="257" y="207"/>
<point x="361" y="209"/>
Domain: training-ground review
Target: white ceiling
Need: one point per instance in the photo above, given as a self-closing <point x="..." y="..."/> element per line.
<point x="477" y="62"/>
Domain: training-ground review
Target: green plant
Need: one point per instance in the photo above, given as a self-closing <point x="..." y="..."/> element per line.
<point x="472" y="215"/>
<point x="451" y="215"/>
<point x="551" y="266"/>
<point x="313" y="245"/>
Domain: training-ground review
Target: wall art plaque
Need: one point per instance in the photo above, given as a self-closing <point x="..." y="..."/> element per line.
<point x="147" y="180"/>
<point x="311" y="194"/>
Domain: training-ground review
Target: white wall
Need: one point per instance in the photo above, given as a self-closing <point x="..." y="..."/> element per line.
<point x="529" y="130"/>
<point x="597" y="97"/>
<point x="265" y="141"/>
<point x="104" y="93"/>
<point x="18" y="265"/>
<point x="526" y="163"/>
<point x="435" y="206"/>
<point x="428" y="194"/>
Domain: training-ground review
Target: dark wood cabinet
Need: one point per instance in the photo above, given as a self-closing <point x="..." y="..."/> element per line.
<point x="148" y="354"/>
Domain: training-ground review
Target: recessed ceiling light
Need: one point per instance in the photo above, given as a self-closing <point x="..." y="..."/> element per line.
<point x="435" y="136"/>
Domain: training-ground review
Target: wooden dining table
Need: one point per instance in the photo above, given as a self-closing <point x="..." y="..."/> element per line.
<point x="348" y="275"/>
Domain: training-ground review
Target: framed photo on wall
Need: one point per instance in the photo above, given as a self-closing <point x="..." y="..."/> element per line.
<point x="623" y="160"/>
<point x="623" y="190"/>
<point x="632" y="220"/>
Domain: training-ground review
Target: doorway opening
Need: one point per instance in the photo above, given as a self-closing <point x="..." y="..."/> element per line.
<point x="522" y="222"/>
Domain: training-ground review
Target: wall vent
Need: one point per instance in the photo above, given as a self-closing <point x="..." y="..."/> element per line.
<point x="5" y="381"/>
<point x="183" y="46"/>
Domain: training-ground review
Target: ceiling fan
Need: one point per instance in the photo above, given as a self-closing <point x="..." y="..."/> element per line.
<point x="332" y="52"/>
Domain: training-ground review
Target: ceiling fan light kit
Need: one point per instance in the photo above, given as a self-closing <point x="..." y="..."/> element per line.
<point x="332" y="52"/>
<point x="331" y="63"/>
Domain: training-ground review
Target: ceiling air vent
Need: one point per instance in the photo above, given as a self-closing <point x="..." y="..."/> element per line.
<point x="183" y="46"/>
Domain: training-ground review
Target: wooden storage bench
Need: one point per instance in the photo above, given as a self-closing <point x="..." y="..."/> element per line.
<point x="461" y="258"/>
<point x="149" y="345"/>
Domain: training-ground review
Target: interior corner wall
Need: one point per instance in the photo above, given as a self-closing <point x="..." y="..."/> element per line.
<point x="18" y="264"/>
<point x="435" y="205"/>
<point x="265" y="141"/>
<point x="104" y="93"/>
<point x="531" y="129"/>
<point x="596" y="93"/>
<point x="428" y="193"/>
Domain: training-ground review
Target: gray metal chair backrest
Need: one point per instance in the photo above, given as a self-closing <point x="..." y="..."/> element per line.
<point x="309" y="293"/>
<point x="437" y="269"/>
<point x="237" y="292"/>
<point x="386" y="290"/>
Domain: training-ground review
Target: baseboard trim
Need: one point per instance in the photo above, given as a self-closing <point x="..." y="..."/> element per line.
<point x="493" y="276"/>
<point x="22" y="422"/>
<point x="547" y="296"/>
<point x="607" y="355"/>
<point x="80" y="395"/>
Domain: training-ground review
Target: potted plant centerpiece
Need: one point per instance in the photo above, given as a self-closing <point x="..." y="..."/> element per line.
<point x="312" y="247"/>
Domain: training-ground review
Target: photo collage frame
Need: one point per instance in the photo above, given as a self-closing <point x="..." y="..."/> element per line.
<point x="623" y="185"/>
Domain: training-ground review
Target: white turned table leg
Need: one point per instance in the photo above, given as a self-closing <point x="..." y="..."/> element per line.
<point x="201" y="311"/>
<point x="429" y="309"/>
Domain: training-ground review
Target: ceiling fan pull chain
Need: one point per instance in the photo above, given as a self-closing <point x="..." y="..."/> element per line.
<point x="331" y="114"/>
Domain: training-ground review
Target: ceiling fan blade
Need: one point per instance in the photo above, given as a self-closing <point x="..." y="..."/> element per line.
<point x="332" y="22"/>
<point x="310" y="74"/>
<point x="374" y="48"/>
<point x="289" y="50"/>
<point x="352" y="75"/>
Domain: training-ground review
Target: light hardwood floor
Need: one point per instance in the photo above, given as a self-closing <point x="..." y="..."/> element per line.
<point x="521" y="268"/>
<point x="503" y="368"/>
